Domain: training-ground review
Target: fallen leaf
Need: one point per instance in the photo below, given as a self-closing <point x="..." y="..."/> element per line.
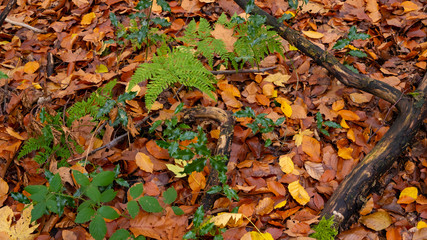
<point x="360" y="98"/>
<point x="298" y="193"/>
<point x="278" y="79"/>
<point x="4" y="189"/>
<point x="226" y="35"/>
<point x="345" y="152"/>
<point x="177" y="168"/>
<point x="408" y="195"/>
<point x="280" y="204"/>
<point x="257" y="236"/>
<point x="22" y="230"/>
<point x="348" y="115"/>
<point x="376" y="221"/>
<point x="144" y="162"/>
<point x="227" y="219"/>
<point x="315" y="170"/>
<point x="313" y="34"/>
<point x="31" y="67"/>
<point x="265" y="206"/>
<point x="88" y="18"/>
<point x="409" y="6"/>
<point x="421" y="224"/>
<point x="299" y="136"/>
<point x="286" y="164"/>
<point x="311" y="147"/>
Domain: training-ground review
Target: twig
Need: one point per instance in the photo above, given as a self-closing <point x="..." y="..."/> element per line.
<point x="6" y="11"/>
<point x="243" y="71"/>
<point x="24" y="25"/>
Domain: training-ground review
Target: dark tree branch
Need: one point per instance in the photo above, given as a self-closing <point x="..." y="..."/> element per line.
<point x="350" y="195"/>
<point x="6" y="11"/>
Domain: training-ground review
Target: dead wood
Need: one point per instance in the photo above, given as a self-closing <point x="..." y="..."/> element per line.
<point x="6" y="11"/>
<point x="346" y="201"/>
<point x="226" y="121"/>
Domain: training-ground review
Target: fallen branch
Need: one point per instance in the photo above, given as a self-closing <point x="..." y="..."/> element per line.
<point x="8" y="20"/>
<point x="6" y="11"/>
<point x="351" y="193"/>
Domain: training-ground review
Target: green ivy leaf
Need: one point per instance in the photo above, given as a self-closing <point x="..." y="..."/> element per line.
<point x="165" y="5"/>
<point x="108" y="195"/>
<point x="108" y="212"/>
<point x="357" y="53"/>
<point x="230" y="193"/>
<point x="267" y="143"/>
<point x="98" y="228"/>
<point x="190" y="235"/>
<point x="248" y="112"/>
<point x="250" y="6"/>
<point x="155" y="125"/>
<point x="161" y="21"/>
<point x="103" y="178"/>
<point x="3" y="75"/>
<point x="178" y="211"/>
<point x="150" y="204"/>
<point x="81" y="179"/>
<point x="170" y="195"/>
<point x="351" y="68"/>
<point x="195" y="165"/>
<point x="215" y="189"/>
<point x="332" y="124"/>
<point x="120" y="234"/>
<point x="319" y="120"/>
<point x="126" y="97"/>
<point x="136" y="190"/>
<point x="122" y="182"/>
<point x="133" y="208"/>
<point x="106" y="108"/>
<point x="84" y="215"/>
<point x="341" y="44"/>
<point x="322" y="130"/>
<point x="206" y="228"/>
<point x="178" y="108"/>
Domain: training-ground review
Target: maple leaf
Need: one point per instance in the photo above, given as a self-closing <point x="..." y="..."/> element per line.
<point x="22" y="229"/>
<point x="230" y="219"/>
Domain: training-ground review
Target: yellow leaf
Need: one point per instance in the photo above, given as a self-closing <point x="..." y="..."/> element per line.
<point x="22" y="230"/>
<point x="421" y="224"/>
<point x="313" y="34"/>
<point x="299" y="136"/>
<point x="278" y="79"/>
<point x="298" y="193"/>
<point x="261" y="236"/>
<point x="409" y="6"/>
<point x="14" y="134"/>
<point x="227" y="219"/>
<point x="101" y="68"/>
<point x="144" y="162"/>
<point x="31" y="67"/>
<point x="348" y="115"/>
<point x="344" y="124"/>
<point x="345" y="153"/>
<point x="292" y="48"/>
<point x="408" y="195"/>
<point x="215" y="133"/>
<point x="156" y="106"/>
<point x="286" y="109"/>
<point x="177" y="168"/>
<point x="350" y="135"/>
<point x="280" y="204"/>
<point x="376" y="221"/>
<point x="37" y="86"/>
<point x="269" y="91"/>
<point x="87" y="18"/>
<point x="197" y="181"/>
<point x="286" y="164"/>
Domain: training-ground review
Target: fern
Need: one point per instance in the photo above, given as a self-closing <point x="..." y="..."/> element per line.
<point x="179" y="66"/>
<point x="32" y="144"/>
<point x="200" y="39"/>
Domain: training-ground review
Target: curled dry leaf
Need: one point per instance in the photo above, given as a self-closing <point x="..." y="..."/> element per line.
<point x="377" y="221"/>
<point x="311" y="147"/>
<point x="315" y="170"/>
<point x="257" y="236"/>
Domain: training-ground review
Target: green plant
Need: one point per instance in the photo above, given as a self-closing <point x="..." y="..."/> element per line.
<point x="170" y="67"/>
<point x="202" y="227"/>
<point x="140" y="28"/>
<point x="54" y="140"/>
<point x="321" y="124"/>
<point x="325" y="230"/>
<point x="196" y="153"/>
<point x="93" y="194"/>
<point x="261" y="123"/>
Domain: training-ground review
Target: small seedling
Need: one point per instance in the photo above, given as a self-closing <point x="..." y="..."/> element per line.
<point x="321" y="124"/>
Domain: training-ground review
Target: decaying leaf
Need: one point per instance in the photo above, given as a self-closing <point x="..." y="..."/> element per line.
<point x="22" y="229"/>
<point x="377" y="221"/>
<point x="227" y="219"/>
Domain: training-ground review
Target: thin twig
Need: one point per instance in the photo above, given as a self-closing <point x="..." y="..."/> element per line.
<point x="24" y="25"/>
<point x="243" y="71"/>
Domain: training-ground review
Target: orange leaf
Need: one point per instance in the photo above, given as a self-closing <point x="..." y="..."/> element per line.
<point x="197" y="181"/>
<point x="156" y="151"/>
<point x="269" y="91"/>
<point x="348" y="115"/>
<point x="408" y="195"/>
<point x="265" y="206"/>
<point x="144" y="162"/>
<point x="377" y="221"/>
<point x="338" y="105"/>
<point x="31" y="67"/>
<point x="409" y="6"/>
<point x="350" y="135"/>
<point x="345" y="152"/>
<point x="230" y="100"/>
<point x="87" y="18"/>
<point x="313" y="34"/>
<point x="311" y="147"/>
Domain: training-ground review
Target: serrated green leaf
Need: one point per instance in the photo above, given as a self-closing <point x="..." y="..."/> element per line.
<point x="38" y="211"/>
<point x="230" y="193"/>
<point x="136" y="190"/>
<point x="247" y="112"/>
<point x="357" y="53"/>
<point x="120" y="234"/>
<point x="122" y="182"/>
<point x="93" y="193"/>
<point x="84" y="215"/>
<point x="133" y="208"/>
<point x="155" y="125"/>
<point x="195" y="165"/>
<point x="170" y="195"/>
<point x="178" y="211"/>
<point x="293" y="4"/>
<point x="332" y="124"/>
<point x="108" y="106"/>
<point x="165" y="5"/>
<point x="108" y="212"/>
<point x="190" y="235"/>
<point x="150" y="204"/>
<point x="267" y="143"/>
<point x="198" y="217"/>
<point x="322" y="130"/>
<point x="98" y="228"/>
<point x="206" y="228"/>
<point x="103" y="178"/>
<point x="341" y="43"/>
<point x="178" y="108"/>
<point x="108" y="195"/>
<point x="55" y="184"/>
<point x="3" y="75"/>
<point x="126" y="97"/>
<point x="81" y="179"/>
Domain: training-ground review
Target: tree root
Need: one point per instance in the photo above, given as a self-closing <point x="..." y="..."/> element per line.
<point x="226" y="121"/>
<point x="349" y="197"/>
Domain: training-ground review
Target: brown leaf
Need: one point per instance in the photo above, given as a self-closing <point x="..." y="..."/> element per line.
<point x="265" y="206"/>
<point x="157" y="151"/>
<point x="311" y="147"/>
<point x="377" y="221"/>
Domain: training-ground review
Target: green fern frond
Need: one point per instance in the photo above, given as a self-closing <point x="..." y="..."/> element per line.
<point x="178" y="67"/>
<point x="32" y="144"/>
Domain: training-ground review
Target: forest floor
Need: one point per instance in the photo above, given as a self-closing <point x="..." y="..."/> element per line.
<point x="78" y="34"/>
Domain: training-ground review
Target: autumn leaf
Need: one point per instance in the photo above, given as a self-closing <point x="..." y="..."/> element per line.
<point x="265" y="206"/>
<point x="408" y="195"/>
<point x="144" y="162"/>
<point x="348" y="115"/>
<point x="31" y="67"/>
<point x="298" y="193"/>
<point x="376" y="221"/>
<point x="311" y="147"/>
<point x="22" y="230"/>
<point x="345" y="152"/>
<point x="409" y="6"/>
<point x="313" y="34"/>
<point x="299" y="136"/>
<point x="257" y="236"/>
<point x="421" y="224"/>
<point x="280" y="204"/>
<point x="178" y="168"/>
<point x="278" y="79"/>
<point x="285" y="107"/>
<point x="87" y="18"/>
<point x="286" y="164"/>
<point x="227" y="219"/>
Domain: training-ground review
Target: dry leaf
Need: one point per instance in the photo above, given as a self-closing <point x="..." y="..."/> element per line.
<point x="286" y="164"/>
<point x="278" y="79"/>
<point x="226" y="35"/>
<point x="377" y="221"/>
<point x="177" y="168"/>
<point x="408" y="195"/>
<point x="257" y="236"/>
<point x="31" y="67"/>
<point x="299" y="136"/>
<point x="22" y="230"/>
<point x="315" y="170"/>
<point x="298" y="193"/>
<point x="144" y="162"/>
<point x="265" y="206"/>
<point x="227" y="219"/>
<point x="88" y="18"/>
<point x="4" y="189"/>
<point x="360" y="97"/>
<point x="348" y="115"/>
<point x="313" y="34"/>
<point x="345" y="152"/>
<point x="280" y="204"/>
<point x="409" y="6"/>
<point x="311" y="147"/>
